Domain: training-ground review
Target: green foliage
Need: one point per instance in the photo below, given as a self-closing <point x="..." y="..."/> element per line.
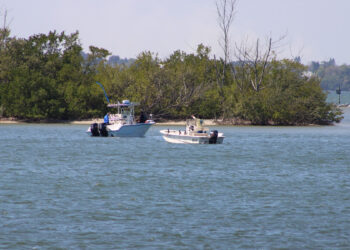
<point x="47" y="77"/>
<point x="43" y="78"/>
<point x="332" y="76"/>
<point x="288" y="98"/>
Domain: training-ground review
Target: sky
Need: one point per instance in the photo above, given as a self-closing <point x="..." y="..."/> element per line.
<point x="315" y="30"/>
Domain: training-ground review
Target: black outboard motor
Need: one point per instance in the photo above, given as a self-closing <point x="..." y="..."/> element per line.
<point x="143" y="117"/>
<point x="94" y="129"/>
<point x="213" y="137"/>
<point x="103" y="129"/>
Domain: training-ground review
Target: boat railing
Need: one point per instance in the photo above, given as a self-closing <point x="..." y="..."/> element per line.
<point x="198" y="134"/>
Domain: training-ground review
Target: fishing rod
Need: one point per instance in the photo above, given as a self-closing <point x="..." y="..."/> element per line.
<point x="103" y="90"/>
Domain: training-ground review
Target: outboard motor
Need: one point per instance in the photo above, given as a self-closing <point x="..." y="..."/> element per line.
<point x="103" y="129"/>
<point x="213" y="137"/>
<point x="94" y="129"/>
<point x="143" y="117"/>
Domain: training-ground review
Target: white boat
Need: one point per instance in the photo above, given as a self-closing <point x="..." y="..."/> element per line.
<point x="122" y="123"/>
<point x="194" y="133"/>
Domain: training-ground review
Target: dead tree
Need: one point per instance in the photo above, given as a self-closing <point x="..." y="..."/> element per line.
<point x="4" y="31"/>
<point x="226" y="10"/>
<point x="252" y="64"/>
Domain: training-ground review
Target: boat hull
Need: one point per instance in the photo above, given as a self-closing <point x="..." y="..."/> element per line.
<point x="132" y="130"/>
<point x="182" y="138"/>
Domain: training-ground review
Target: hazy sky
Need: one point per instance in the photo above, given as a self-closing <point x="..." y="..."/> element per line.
<point x="316" y="29"/>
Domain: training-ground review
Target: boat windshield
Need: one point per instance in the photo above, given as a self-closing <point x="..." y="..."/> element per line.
<point x="125" y="110"/>
<point x="198" y="123"/>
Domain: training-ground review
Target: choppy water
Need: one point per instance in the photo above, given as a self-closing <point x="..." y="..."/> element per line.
<point x="265" y="187"/>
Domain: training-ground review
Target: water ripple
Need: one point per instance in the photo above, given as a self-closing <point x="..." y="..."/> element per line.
<point x="265" y="187"/>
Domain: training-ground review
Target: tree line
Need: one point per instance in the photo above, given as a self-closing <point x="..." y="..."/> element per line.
<point x="332" y="76"/>
<point x="47" y="76"/>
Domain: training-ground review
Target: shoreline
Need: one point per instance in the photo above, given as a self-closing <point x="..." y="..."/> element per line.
<point x="207" y="122"/>
<point x="90" y="121"/>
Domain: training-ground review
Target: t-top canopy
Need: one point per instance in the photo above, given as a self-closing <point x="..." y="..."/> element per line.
<point x="125" y="103"/>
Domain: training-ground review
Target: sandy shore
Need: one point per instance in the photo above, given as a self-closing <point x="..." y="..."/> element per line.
<point x="16" y="121"/>
<point x="207" y="122"/>
<point x="3" y="121"/>
<point x="183" y="123"/>
<point x="88" y="122"/>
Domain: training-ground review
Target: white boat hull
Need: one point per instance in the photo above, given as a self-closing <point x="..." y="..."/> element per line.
<point x="131" y="130"/>
<point x="180" y="137"/>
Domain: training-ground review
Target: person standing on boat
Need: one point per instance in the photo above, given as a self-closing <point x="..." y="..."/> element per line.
<point x="106" y="118"/>
<point x="199" y="124"/>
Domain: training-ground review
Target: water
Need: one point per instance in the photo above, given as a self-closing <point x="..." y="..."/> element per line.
<point x="334" y="98"/>
<point x="265" y="187"/>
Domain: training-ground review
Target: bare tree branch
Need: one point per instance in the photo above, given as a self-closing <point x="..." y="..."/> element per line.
<point x="4" y="30"/>
<point x="226" y="10"/>
<point x="253" y="62"/>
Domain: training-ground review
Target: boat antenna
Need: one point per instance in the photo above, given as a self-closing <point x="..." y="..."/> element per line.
<point x="103" y="90"/>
